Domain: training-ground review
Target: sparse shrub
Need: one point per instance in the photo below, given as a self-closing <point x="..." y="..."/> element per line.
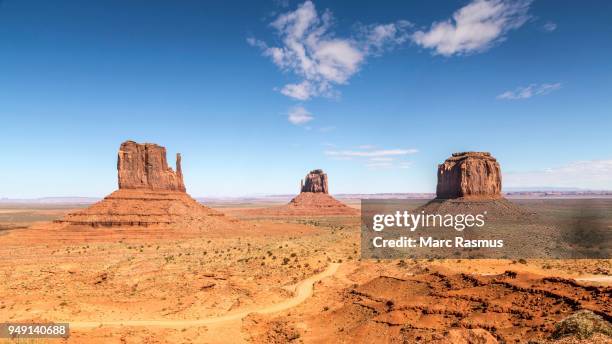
<point x="582" y="325"/>
<point x="285" y="261"/>
<point x="522" y="261"/>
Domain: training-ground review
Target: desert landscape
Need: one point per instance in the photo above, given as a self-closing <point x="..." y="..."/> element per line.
<point x="149" y="264"/>
<point x="306" y="172"/>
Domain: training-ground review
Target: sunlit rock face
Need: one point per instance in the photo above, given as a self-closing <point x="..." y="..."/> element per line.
<point x="144" y="166"/>
<point x="470" y="175"/>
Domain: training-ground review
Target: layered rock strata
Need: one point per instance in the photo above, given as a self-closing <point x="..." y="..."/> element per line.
<point x="150" y="194"/>
<point x="469" y="175"/>
<point x="315" y="181"/>
<point x="144" y="166"/>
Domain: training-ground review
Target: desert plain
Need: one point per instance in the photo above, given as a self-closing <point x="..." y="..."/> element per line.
<point x="277" y="279"/>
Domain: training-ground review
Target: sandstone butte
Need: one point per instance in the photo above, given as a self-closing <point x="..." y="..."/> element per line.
<point x="470" y="182"/>
<point x="150" y="194"/>
<point x="469" y="175"/>
<point x="144" y="166"/>
<point x="315" y="181"/>
<point x="314" y="199"/>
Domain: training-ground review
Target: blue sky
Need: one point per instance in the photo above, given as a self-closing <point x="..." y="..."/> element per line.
<point x="255" y="94"/>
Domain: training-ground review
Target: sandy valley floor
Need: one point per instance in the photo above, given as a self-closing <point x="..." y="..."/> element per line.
<point x="284" y="279"/>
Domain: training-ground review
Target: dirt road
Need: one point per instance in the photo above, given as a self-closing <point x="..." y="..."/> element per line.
<point x="302" y="291"/>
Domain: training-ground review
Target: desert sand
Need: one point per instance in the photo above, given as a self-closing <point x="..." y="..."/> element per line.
<point x="277" y="279"/>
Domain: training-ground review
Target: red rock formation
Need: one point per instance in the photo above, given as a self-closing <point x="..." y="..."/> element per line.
<point x="315" y="181"/>
<point x="144" y="166"/>
<point x="150" y="194"/>
<point x="469" y="175"/>
<point x="313" y="200"/>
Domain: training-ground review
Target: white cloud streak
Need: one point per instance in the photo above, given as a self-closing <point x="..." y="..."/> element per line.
<point x="549" y="26"/>
<point x="299" y="115"/>
<point x="377" y="165"/>
<point x="525" y="92"/>
<point x="589" y="174"/>
<point x="474" y="27"/>
<point x="321" y="60"/>
<point x="374" y="153"/>
<point x="373" y="158"/>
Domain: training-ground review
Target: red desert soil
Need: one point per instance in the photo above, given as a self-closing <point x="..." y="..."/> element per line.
<point x="411" y="303"/>
<point x="136" y="207"/>
<point x="256" y="281"/>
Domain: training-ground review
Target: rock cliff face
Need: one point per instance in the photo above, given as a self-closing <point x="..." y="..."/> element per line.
<point x="150" y="194"/>
<point x="144" y="166"/>
<point x="469" y="175"/>
<point x="315" y="181"/>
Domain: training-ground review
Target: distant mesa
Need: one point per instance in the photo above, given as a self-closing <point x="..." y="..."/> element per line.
<point x="470" y="182"/>
<point x="469" y="175"/>
<point x="313" y="200"/>
<point x="150" y="194"/>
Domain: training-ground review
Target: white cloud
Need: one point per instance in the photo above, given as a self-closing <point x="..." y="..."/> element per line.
<point x="379" y="165"/>
<point x="301" y="91"/>
<point x="474" y="27"/>
<point x="374" y="158"/>
<point x="590" y="174"/>
<point x="321" y="60"/>
<point x="381" y="158"/>
<point x="387" y="163"/>
<point x="299" y="115"/>
<point x="374" y="153"/>
<point x="379" y="37"/>
<point x="525" y="92"/>
<point x="549" y="26"/>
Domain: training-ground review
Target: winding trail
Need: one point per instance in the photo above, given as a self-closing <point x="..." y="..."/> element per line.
<point x="303" y="291"/>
